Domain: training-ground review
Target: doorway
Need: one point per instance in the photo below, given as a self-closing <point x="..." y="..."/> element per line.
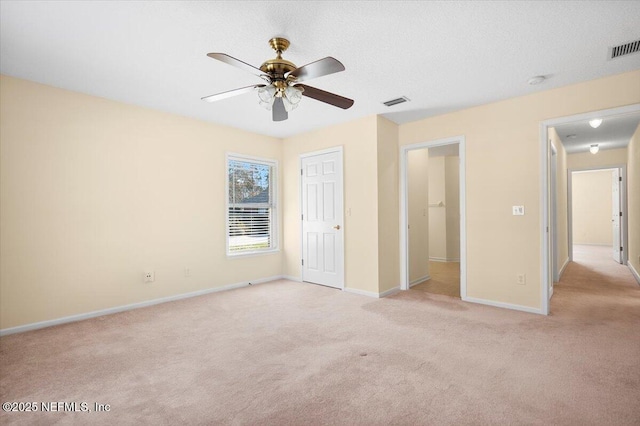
<point x="322" y="217"/>
<point x="432" y="214"/>
<point x="597" y="210"/>
<point x="611" y="130"/>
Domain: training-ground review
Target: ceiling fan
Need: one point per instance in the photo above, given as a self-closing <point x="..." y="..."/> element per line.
<point x="282" y="92"/>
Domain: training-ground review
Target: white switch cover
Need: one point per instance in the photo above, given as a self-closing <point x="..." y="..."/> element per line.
<point x="518" y="210"/>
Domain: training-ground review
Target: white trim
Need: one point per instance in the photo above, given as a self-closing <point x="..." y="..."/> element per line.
<point x="123" y="308"/>
<point x="386" y="293"/>
<point x="443" y="259"/>
<point x="544" y="189"/>
<point x="273" y="186"/>
<point x="361" y="292"/>
<point x="564" y="266"/>
<point x="322" y="151"/>
<point x="544" y="223"/>
<point x="404" y="240"/>
<point x="389" y="292"/>
<point x="503" y="305"/>
<point x="623" y="208"/>
<point x="419" y="280"/>
<point x="635" y="273"/>
<point x="339" y="149"/>
<point x="292" y="278"/>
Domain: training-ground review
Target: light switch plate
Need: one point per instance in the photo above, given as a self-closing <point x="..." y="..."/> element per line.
<point x="518" y="210"/>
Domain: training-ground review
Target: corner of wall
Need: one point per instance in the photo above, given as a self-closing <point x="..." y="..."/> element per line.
<point x="388" y="205"/>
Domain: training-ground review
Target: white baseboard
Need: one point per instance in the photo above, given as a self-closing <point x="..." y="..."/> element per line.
<point x="564" y="266"/>
<point x="503" y="305"/>
<point x="635" y="273"/>
<point x="550" y="292"/>
<point x="123" y="308"/>
<point x="444" y="259"/>
<point x="419" y="280"/>
<point x="361" y="292"/>
<point x="371" y="293"/>
<point x="292" y="278"/>
<point x="390" y="292"/>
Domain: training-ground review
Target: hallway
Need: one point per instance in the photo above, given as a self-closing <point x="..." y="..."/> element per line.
<point x="598" y="287"/>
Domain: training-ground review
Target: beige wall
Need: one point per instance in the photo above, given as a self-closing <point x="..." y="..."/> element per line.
<point x="359" y="140"/>
<point x="591" y="194"/>
<point x="452" y="206"/>
<point x="633" y="197"/>
<point x="370" y="200"/>
<point x="562" y="221"/>
<point x="437" y="214"/>
<point x="604" y="158"/>
<point x="94" y="192"/>
<point x="388" y="206"/>
<point x="418" y="213"/>
<point x="503" y="169"/>
<point x="444" y="221"/>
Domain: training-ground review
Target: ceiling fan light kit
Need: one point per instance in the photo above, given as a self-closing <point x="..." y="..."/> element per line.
<point x="283" y="91"/>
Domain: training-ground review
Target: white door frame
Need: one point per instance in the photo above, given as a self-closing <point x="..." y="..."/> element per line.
<point x="340" y="151"/>
<point x="623" y="206"/>
<point x="404" y="219"/>
<point x="554" y="218"/>
<point x="545" y="189"/>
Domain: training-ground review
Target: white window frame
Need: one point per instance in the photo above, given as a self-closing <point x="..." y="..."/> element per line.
<point x="273" y="185"/>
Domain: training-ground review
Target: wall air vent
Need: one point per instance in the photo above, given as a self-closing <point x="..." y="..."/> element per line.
<point x="396" y="101"/>
<point x="624" y="49"/>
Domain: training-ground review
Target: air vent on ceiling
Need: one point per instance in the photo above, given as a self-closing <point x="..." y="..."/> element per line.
<point x="396" y="101"/>
<point x="624" y="49"/>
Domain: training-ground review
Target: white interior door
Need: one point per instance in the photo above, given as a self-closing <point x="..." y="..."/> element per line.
<point x="322" y="219"/>
<point x="615" y="216"/>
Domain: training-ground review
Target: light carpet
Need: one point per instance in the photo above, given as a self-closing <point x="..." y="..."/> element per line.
<point x="286" y="353"/>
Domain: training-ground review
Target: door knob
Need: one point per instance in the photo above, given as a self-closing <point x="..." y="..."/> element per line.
<point x="337" y="227"/>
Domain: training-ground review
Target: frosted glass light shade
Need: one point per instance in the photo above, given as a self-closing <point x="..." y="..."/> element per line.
<point x="266" y="96"/>
<point x="594" y="148"/>
<point x="291" y="98"/>
<point x="595" y="123"/>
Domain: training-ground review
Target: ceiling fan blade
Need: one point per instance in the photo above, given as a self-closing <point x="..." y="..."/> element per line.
<point x="318" y="68"/>
<point x="230" y="93"/>
<point x="237" y="63"/>
<point x="279" y="113"/>
<point x="326" y="97"/>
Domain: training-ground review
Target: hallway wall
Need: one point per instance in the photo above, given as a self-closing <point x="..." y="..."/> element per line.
<point x="592" y="207"/>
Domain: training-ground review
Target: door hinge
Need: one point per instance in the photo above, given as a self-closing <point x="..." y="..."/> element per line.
<point x="302" y="262"/>
<point x="302" y="217"/>
<point x="620" y="214"/>
<point x="620" y="248"/>
<point x="619" y="178"/>
<point x="301" y="172"/>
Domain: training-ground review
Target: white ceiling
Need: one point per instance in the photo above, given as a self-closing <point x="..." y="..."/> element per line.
<point x="444" y="56"/>
<point x="614" y="132"/>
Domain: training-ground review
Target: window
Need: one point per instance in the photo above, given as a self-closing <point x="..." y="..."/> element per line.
<point x="251" y="217"/>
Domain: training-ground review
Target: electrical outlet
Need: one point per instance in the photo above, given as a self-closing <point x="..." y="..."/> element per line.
<point x="522" y="279"/>
<point x="149" y="276"/>
<point x="187" y="272"/>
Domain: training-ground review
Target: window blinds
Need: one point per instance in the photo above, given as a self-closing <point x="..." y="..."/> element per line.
<point x="250" y="215"/>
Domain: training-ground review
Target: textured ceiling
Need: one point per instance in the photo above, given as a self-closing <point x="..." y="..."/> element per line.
<point x="614" y="132"/>
<point x="444" y="56"/>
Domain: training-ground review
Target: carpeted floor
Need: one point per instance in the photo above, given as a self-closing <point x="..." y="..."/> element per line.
<point x="445" y="279"/>
<point x="286" y="353"/>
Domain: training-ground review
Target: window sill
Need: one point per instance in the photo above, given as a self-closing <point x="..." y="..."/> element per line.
<point x="252" y="253"/>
